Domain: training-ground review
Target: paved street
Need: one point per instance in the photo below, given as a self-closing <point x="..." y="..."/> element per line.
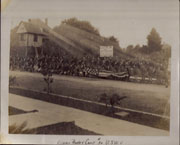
<point x="49" y="113"/>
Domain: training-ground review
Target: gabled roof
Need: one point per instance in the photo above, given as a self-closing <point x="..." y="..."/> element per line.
<point x="31" y="28"/>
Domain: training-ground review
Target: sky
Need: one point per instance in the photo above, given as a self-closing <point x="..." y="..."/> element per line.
<point x="130" y="21"/>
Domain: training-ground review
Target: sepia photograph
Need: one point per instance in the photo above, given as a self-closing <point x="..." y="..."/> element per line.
<point x="92" y="69"/>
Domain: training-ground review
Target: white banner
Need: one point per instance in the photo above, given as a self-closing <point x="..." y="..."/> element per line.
<point x="106" y="51"/>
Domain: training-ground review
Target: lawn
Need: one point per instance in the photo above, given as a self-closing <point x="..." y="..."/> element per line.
<point x="144" y="97"/>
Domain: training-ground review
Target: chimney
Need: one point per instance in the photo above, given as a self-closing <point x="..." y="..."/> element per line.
<point x="46" y="21"/>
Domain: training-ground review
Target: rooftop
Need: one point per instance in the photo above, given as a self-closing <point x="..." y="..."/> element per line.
<point x="32" y="28"/>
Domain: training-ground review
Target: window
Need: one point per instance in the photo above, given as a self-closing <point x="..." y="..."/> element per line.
<point x="35" y="38"/>
<point x="22" y="37"/>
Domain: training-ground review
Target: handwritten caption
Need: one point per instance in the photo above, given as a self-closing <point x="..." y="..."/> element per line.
<point x="88" y="141"/>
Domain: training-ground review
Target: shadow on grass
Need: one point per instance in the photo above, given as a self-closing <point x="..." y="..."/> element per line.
<point x="15" y="111"/>
<point x="63" y="128"/>
<point x="20" y="129"/>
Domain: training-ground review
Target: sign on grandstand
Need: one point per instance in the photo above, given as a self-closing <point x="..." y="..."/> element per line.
<point x="106" y="51"/>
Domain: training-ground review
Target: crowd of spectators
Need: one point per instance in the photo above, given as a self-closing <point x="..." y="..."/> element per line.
<point x="89" y="66"/>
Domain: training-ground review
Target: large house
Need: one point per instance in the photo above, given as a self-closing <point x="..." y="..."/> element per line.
<point x="31" y="38"/>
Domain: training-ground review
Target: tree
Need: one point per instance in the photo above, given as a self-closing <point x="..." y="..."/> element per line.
<point x="144" y="49"/>
<point x="137" y="47"/>
<point x="129" y="48"/>
<point x="154" y="41"/>
<point x="47" y="74"/>
<point x="167" y="50"/>
<point x="84" y="25"/>
<point x="114" y="39"/>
